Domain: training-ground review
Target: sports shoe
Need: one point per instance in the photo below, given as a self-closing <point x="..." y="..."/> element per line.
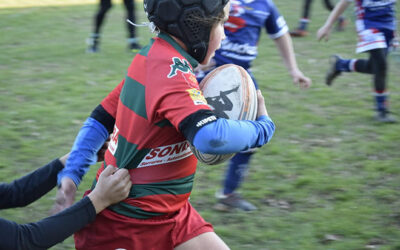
<point x="93" y="43"/>
<point x="133" y="44"/>
<point x="341" y="24"/>
<point x="384" y="116"/>
<point x="134" y="47"/>
<point x="298" y="33"/>
<point x="232" y="202"/>
<point x="332" y="71"/>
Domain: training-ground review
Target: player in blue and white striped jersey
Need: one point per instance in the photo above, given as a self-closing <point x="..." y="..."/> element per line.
<point x="376" y="29"/>
<point x="247" y="18"/>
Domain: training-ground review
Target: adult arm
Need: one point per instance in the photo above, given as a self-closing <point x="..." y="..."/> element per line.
<point x="325" y="30"/>
<point x="49" y="231"/>
<point x="113" y="186"/>
<point x="31" y="187"/>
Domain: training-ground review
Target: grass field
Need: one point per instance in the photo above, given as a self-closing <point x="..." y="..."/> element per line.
<point x="329" y="179"/>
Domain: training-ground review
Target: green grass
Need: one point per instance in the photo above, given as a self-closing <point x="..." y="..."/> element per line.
<point x="329" y="179"/>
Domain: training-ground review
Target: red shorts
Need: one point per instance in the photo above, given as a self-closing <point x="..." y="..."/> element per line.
<point x="114" y="231"/>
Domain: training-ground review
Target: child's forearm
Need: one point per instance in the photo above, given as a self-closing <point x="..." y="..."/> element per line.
<point x="285" y="47"/>
<point x="337" y="12"/>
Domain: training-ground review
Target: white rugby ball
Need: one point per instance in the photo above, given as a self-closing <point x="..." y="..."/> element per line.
<point x="230" y="92"/>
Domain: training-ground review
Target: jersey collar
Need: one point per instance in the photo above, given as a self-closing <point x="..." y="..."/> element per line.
<point x="181" y="51"/>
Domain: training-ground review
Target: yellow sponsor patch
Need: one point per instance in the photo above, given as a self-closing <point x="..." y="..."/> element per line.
<point x="197" y="97"/>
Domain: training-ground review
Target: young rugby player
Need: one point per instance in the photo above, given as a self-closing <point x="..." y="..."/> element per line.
<point x="243" y="30"/>
<point x="153" y="114"/>
<point x="104" y="6"/>
<point x="376" y="29"/>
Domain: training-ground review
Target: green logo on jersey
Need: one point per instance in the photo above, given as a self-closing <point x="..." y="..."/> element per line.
<point x="178" y="64"/>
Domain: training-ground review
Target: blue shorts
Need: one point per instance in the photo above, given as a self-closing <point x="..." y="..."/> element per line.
<point x="369" y="39"/>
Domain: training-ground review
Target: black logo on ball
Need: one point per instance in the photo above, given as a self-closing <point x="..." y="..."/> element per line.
<point x="222" y="103"/>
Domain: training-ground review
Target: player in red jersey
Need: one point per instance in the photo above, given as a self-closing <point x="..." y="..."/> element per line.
<point x="153" y="115"/>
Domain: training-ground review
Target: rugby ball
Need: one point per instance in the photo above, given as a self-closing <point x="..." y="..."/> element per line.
<point x="230" y="92"/>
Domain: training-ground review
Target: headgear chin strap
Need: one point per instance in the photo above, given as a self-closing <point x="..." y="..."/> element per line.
<point x="180" y="18"/>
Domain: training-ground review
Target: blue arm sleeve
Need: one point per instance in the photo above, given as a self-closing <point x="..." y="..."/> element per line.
<point x="88" y="142"/>
<point x="231" y="136"/>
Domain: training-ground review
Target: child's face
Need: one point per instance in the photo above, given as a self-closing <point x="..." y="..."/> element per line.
<point x="216" y="36"/>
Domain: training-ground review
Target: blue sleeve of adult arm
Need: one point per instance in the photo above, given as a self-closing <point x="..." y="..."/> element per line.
<point x="226" y="136"/>
<point x="88" y="142"/>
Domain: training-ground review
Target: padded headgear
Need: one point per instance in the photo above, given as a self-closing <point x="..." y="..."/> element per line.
<point x="178" y="18"/>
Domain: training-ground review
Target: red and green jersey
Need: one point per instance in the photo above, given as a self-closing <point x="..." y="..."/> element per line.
<point x="159" y="91"/>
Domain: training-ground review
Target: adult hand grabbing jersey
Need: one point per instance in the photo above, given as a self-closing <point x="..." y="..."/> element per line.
<point x="230" y="92"/>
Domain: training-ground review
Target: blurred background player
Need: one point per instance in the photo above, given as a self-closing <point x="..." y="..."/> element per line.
<point x="154" y="113"/>
<point x="376" y="29"/>
<point x="301" y="30"/>
<point x="242" y="30"/>
<point x="105" y="5"/>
